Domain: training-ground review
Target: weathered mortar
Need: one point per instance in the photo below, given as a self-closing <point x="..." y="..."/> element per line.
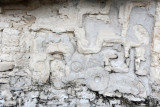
<point x="79" y="53"/>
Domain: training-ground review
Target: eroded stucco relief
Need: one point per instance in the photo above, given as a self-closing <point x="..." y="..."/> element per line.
<point x="80" y="53"/>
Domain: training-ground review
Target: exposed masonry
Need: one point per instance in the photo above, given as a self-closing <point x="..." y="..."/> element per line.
<point x="80" y="53"/>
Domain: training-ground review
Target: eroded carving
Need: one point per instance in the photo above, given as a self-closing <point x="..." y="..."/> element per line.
<point x="80" y="53"/>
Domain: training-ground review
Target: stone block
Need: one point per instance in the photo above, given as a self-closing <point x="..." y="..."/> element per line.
<point x="5" y="66"/>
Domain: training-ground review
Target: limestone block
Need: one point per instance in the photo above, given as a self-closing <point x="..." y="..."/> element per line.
<point x="155" y="59"/>
<point x="156" y="45"/>
<point x="155" y="74"/>
<point x="125" y="83"/>
<point x="157" y="23"/>
<point x="6" y="94"/>
<point x="3" y="24"/>
<point x="7" y="57"/>
<point x="11" y="42"/>
<point x="8" y="50"/>
<point x="58" y="48"/>
<point x="11" y="32"/>
<point x="58" y="70"/>
<point x="5" y="66"/>
<point x="77" y="63"/>
<point x="40" y="65"/>
<point x="4" y="80"/>
<point x="141" y="34"/>
<point x="20" y="82"/>
<point x="124" y="14"/>
<point x="97" y="79"/>
<point x="105" y="18"/>
<point x="140" y="53"/>
<point x="107" y="36"/>
<point x="9" y="103"/>
<point x="156" y="40"/>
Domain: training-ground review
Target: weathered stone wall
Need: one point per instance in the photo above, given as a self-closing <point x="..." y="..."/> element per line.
<point x="80" y="53"/>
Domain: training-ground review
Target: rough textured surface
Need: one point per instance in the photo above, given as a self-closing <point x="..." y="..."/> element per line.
<point x="80" y="53"/>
